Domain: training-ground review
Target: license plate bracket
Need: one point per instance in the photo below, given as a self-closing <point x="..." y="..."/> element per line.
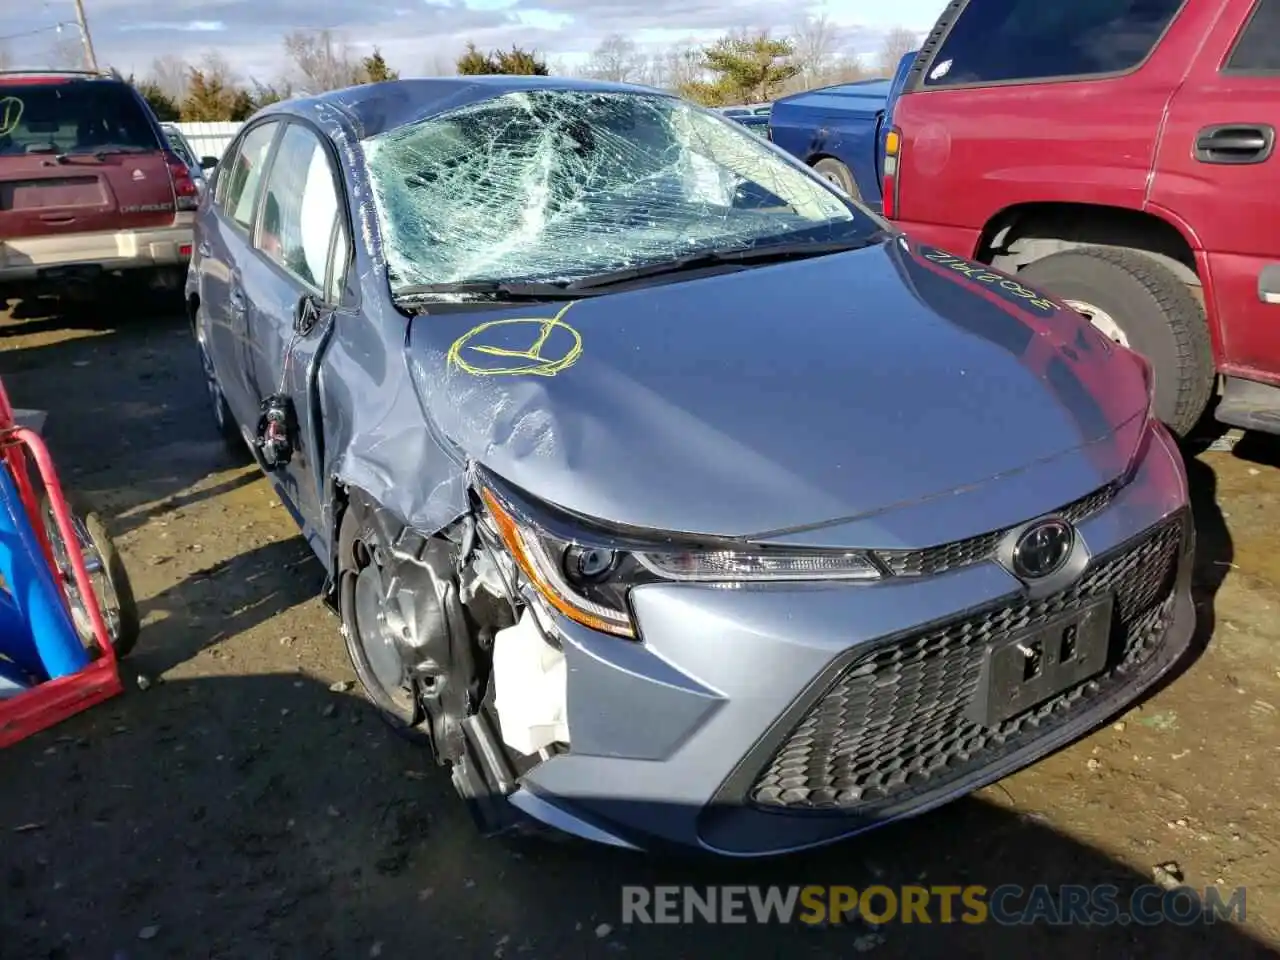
<point x="1039" y="663"/>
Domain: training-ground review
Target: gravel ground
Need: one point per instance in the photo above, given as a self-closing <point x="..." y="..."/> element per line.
<point x="247" y="804"/>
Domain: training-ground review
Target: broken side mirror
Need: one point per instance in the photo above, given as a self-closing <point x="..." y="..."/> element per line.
<point x="306" y="315"/>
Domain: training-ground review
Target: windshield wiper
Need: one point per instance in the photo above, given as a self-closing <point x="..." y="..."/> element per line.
<point x="587" y="286"/>
<point x="727" y="255"/>
<point x="501" y="289"/>
<point x="97" y="153"/>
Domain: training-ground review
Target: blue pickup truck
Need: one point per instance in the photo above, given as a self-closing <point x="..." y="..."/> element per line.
<point x="840" y="130"/>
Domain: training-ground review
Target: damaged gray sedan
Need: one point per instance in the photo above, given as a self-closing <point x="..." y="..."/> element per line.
<point x="668" y="495"/>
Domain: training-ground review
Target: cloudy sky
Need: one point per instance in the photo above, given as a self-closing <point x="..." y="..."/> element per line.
<point x="417" y="35"/>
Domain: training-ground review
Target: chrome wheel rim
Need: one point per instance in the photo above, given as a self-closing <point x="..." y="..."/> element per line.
<point x="99" y="580"/>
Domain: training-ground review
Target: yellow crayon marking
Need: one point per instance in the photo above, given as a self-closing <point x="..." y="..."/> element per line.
<point x="10" y="113"/>
<point x="536" y="362"/>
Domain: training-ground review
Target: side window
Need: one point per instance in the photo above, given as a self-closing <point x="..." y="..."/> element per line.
<point x="300" y="209"/>
<point x="1258" y="48"/>
<point x="238" y="183"/>
<point x="994" y="41"/>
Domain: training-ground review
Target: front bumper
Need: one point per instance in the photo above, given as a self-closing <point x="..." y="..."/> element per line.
<point x="763" y="720"/>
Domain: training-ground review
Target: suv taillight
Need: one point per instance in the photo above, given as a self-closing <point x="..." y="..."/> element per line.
<point x="185" y="193"/>
<point x="889" y="178"/>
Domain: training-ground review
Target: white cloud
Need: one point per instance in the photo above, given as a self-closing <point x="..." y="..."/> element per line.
<point x="188" y="26"/>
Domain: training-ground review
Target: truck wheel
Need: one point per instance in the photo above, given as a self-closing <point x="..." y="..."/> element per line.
<point x="835" y="172"/>
<point x="1142" y="305"/>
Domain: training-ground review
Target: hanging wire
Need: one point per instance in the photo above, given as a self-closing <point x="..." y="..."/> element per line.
<point x="56" y="27"/>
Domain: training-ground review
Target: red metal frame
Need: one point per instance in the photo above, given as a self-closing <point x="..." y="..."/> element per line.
<point x="54" y="701"/>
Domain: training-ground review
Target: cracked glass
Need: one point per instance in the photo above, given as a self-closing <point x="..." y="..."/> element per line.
<point x="558" y="185"/>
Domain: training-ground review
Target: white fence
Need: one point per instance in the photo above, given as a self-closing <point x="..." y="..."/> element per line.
<point x="208" y="139"/>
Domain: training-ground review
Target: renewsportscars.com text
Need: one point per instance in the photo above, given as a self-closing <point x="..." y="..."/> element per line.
<point x="1007" y="905"/>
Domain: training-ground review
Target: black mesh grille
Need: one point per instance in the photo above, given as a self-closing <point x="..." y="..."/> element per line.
<point x="961" y="553"/>
<point x="899" y="721"/>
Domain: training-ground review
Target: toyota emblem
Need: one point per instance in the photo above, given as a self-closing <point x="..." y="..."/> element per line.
<point x="1043" y="549"/>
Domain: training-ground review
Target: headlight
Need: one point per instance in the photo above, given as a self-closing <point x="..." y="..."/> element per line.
<point x="732" y="566"/>
<point x="586" y="576"/>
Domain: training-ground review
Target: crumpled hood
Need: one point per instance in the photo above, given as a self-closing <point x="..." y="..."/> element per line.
<point x="778" y="397"/>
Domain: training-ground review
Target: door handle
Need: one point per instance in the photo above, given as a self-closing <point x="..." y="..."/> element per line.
<point x="204" y="250"/>
<point x="237" y="301"/>
<point x="1235" y="143"/>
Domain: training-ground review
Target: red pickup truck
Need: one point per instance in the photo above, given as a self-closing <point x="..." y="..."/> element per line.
<point x="1120" y="155"/>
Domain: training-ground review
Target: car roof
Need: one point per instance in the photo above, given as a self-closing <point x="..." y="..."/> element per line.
<point x="374" y="108"/>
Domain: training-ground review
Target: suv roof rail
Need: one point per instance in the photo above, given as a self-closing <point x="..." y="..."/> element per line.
<point x="41" y="72"/>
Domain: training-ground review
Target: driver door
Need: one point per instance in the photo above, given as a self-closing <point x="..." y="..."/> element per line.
<point x="294" y="284"/>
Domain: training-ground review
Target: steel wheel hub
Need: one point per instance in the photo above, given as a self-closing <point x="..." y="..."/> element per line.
<point x="1101" y="320"/>
<point x="378" y="642"/>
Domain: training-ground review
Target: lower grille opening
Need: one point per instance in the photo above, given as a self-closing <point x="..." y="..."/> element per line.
<point x="900" y="721"/>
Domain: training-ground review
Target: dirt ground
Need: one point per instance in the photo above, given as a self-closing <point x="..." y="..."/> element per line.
<point x="247" y="804"/>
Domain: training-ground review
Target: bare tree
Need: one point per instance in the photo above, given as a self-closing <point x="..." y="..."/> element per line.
<point x="560" y="67"/>
<point x="846" y="69"/>
<point x="215" y="69"/>
<point x="618" y="59"/>
<point x="440" y="65"/>
<point x="678" y="67"/>
<point x="170" y="73"/>
<point x="651" y="70"/>
<point x="814" y="41"/>
<point x="321" y="60"/>
<point x="897" y="43"/>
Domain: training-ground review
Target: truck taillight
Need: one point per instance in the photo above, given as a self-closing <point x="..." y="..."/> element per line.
<point x="185" y="193"/>
<point x="889" y="179"/>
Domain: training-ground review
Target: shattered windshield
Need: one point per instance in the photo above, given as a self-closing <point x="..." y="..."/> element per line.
<point x="557" y="185"/>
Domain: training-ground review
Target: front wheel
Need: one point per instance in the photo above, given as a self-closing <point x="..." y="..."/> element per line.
<point x="107" y="577"/>
<point x="365" y="600"/>
<point x="1143" y="305"/>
